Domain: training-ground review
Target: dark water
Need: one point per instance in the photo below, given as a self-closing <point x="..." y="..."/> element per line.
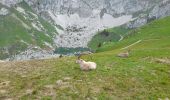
<point x="71" y="51"/>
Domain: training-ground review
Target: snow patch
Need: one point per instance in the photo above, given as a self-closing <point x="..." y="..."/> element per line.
<point x="57" y="20"/>
<point x="27" y="14"/>
<point x="109" y="21"/>
<point x="4" y="12"/>
<point x="35" y="26"/>
<point x="21" y="10"/>
<point x="48" y="44"/>
<point x="38" y="26"/>
<point x="24" y="24"/>
<point x="59" y="30"/>
<point x="33" y="15"/>
<point x="9" y="2"/>
<point x="78" y="31"/>
<point x="24" y="42"/>
<point x="35" y="23"/>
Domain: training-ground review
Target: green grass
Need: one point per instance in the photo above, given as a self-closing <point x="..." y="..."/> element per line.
<point x="12" y="31"/>
<point x="155" y="30"/>
<point x="108" y="35"/>
<point x="50" y="28"/>
<point x="139" y="77"/>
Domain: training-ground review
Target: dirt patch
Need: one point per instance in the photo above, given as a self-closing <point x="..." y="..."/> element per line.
<point x="162" y="60"/>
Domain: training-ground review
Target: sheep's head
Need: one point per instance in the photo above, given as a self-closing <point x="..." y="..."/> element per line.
<point x="79" y="61"/>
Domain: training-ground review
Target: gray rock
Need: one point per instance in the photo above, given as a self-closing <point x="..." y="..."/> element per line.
<point x="138" y="22"/>
<point x="9" y="3"/>
<point x="71" y="36"/>
<point x="161" y="10"/>
<point x="4" y="12"/>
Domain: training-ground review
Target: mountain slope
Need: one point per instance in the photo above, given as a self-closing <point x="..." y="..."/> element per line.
<point x="21" y="28"/>
<point x="115" y="34"/>
<point x="144" y="75"/>
<point x="37" y="27"/>
<point x="82" y="19"/>
<point x="154" y="31"/>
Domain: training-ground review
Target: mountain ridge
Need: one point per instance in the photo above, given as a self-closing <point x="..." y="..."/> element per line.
<point x="74" y="23"/>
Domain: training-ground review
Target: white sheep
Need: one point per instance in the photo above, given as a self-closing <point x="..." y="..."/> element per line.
<point x="85" y="66"/>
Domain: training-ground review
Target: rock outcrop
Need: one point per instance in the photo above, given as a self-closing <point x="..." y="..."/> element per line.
<point x="91" y="16"/>
<point x="3" y="11"/>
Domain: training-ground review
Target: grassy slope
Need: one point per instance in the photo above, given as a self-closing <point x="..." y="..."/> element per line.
<point x="12" y="30"/>
<point x="155" y="30"/>
<point x="138" y="77"/>
<point x="113" y="36"/>
<point x="38" y="37"/>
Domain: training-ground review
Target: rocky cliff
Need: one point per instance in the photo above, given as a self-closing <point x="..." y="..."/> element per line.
<point x="81" y="19"/>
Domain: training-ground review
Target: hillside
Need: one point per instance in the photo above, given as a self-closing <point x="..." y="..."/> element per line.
<point x="82" y="19"/>
<point x="142" y="76"/>
<point x="36" y="29"/>
<point x="115" y="34"/>
<point x="21" y="28"/>
<point x="156" y="31"/>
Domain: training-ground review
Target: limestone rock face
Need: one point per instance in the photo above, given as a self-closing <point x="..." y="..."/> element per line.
<point x="9" y="3"/>
<point x="3" y="11"/>
<point x="140" y="21"/>
<point x="81" y="19"/>
<point x="161" y="10"/>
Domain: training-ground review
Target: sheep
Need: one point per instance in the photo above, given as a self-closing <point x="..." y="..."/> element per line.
<point x="124" y="54"/>
<point x="86" y="66"/>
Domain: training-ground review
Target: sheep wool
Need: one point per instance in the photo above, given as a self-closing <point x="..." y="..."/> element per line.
<point x="86" y="65"/>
